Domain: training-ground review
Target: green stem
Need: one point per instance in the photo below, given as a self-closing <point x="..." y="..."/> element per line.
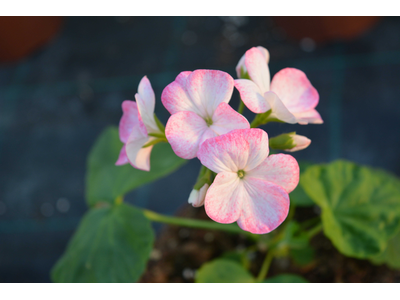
<point x="203" y="224"/>
<point x="314" y="230"/>
<point x="156" y="141"/>
<point x="241" y="107"/>
<point x="265" y="266"/>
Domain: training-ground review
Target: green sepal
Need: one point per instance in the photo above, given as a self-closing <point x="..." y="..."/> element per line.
<point x="159" y="124"/>
<point x="283" y="141"/>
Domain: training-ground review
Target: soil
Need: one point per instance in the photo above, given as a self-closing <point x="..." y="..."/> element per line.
<point x="179" y="252"/>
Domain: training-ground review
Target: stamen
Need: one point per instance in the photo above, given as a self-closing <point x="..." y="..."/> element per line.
<point x="241" y="174"/>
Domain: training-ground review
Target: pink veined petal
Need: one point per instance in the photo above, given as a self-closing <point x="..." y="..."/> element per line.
<point x="310" y="116"/>
<point x="128" y="120"/>
<point x="240" y="149"/>
<point x="226" y="119"/>
<point x="279" y="169"/>
<point x="301" y="143"/>
<point x="295" y="90"/>
<point x="258" y="147"/>
<point x="252" y="96"/>
<point x="182" y="78"/>
<point x="241" y="63"/>
<point x="175" y="98"/>
<point x="147" y="95"/>
<point x="266" y="209"/>
<point x="122" y="159"/>
<point x="224" y="198"/>
<point x="139" y="157"/>
<point x="146" y="114"/>
<point x="279" y="110"/>
<point x="264" y="52"/>
<point x="225" y="153"/>
<point x="257" y="68"/>
<point x="184" y="131"/>
<point x="208" y="88"/>
<point x="208" y="134"/>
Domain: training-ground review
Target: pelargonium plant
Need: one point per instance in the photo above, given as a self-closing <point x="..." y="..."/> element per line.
<point x="245" y="185"/>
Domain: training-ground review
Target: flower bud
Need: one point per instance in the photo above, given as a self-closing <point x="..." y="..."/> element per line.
<point x="196" y="197"/>
<point x="301" y="142"/>
<point x="241" y="69"/>
<point x="290" y="142"/>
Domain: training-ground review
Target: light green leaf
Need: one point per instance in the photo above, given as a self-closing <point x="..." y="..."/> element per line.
<point x="112" y="244"/>
<point x="286" y="278"/>
<point x="391" y="256"/>
<point x="105" y="182"/>
<point x="360" y="205"/>
<point x="298" y="196"/>
<point x="223" y="271"/>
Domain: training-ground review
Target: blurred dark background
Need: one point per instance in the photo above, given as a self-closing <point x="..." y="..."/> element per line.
<point x="62" y="81"/>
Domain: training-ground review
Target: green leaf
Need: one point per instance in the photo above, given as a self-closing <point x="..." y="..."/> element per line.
<point x="112" y="244"/>
<point x="286" y="278"/>
<point x="106" y="182"/>
<point x="302" y="256"/>
<point x="238" y="257"/>
<point x="223" y="271"/>
<point x="298" y="196"/>
<point x="360" y="205"/>
<point x="391" y="256"/>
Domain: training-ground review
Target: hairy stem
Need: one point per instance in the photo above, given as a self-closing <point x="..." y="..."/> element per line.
<point x="203" y="224"/>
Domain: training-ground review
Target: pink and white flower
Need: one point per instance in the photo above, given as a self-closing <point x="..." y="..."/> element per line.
<point x="198" y="102"/>
<point x="290" y="95"/>
<point x="250" y="187"/>
<point x="136" y="124"/>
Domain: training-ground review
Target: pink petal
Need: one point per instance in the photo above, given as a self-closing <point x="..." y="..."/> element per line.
<point x="184" y="131"/>
<point x="257" y="68"/>
<point x="310" y="116"/>
<point x="295" y="90"/>
<point x="258" y="146"/>
<point x="128" y="120"/>
<point x="181" y="79"/>
<point x="241" y="64"/>
<point x="234" y="151"/>
<point x="279" y="169"/>
<point x="252" y="96"/>
<point x="224" y="198"/>
<point x="139" y="157"/>
<point x="147" y="95"/>
<point x="267" y="208"/>
<point x="226" y="119"/>
<point x="175" y="98"/>
<point x="301" y="143"/>
<point x="145" y="100"/>
<point x="279" y="110"/>
<point x="122" y="159"/>
<point x="146" y="114"/>
<point x="208" y="88"/>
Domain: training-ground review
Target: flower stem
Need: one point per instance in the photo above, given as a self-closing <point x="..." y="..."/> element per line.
<point x="265" y="266"/>
<point x="203" y="224"/>
<point x="241" y="107"/>
<point x="314" y="230"/>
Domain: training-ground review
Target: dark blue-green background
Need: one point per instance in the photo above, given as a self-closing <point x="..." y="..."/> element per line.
<point x="54" y="104"/>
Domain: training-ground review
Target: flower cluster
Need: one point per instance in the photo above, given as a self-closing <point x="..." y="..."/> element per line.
<point x="239" y="181"/>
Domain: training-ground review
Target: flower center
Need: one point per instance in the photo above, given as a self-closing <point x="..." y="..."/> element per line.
<point x="241" y="173"/>
<point x="209" y="121"/>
